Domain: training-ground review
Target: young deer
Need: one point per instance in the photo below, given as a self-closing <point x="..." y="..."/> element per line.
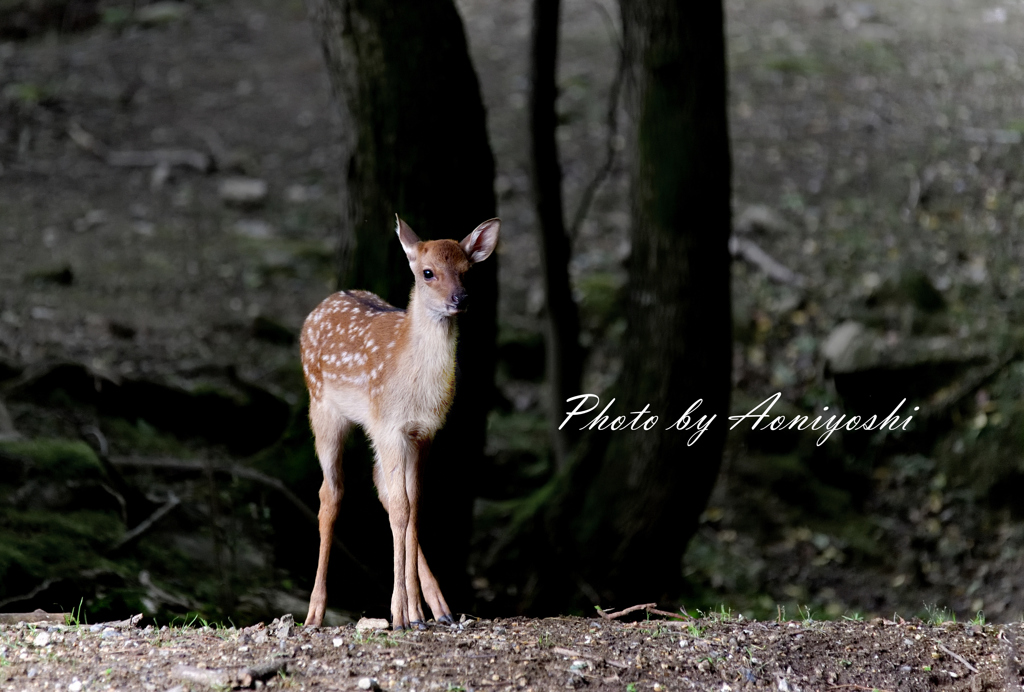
<point x="391" y="371"/>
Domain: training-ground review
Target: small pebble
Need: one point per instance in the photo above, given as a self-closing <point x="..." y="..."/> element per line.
<point x="42" y="639"/>
<point x="365" y="624"/>
<point x="337" y="641"/>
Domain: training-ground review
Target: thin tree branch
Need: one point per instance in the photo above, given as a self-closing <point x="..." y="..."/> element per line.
<point x="30" y="595"/>
<point x="200" y="466"/>
<point x="563" y="355"/>
<point x="612" y="123"/>
<point x="172" y="502"/>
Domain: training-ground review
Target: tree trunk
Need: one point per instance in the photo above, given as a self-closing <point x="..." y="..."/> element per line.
<point x="417" y="146"/>
<point x="636" y="505"/>
<point x="564" y="357"/>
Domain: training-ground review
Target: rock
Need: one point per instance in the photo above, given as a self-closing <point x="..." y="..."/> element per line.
<point x="368" y="683"/>
<point x="283" y="626"/>
<point x="847" y="347"/>
<point x="337" y="641"/>
<point x="243" y="192"/>
<point x="164" y="12"/>
<point x="42" y="639"/>
<point x="371" y="624"/>
<point x="759" y="218"/>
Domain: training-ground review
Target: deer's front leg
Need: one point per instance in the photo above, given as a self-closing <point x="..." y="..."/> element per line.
<point x="392" y="461"/>
<point x="418" y="446"/>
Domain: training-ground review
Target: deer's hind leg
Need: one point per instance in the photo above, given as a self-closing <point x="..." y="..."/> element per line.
<point x="426" y="581"/>
<point x="329" y="431"/>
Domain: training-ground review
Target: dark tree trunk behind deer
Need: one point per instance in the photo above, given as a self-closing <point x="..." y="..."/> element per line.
<point x="417" y="145"/>
<point x="564" y="358"/>
<point x="625" y="513"/>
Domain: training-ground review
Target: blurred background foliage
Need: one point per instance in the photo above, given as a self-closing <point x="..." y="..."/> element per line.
<point x="171" y="208"/>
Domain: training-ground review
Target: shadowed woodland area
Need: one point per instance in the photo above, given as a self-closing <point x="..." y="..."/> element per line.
<point x="821" y="199"/>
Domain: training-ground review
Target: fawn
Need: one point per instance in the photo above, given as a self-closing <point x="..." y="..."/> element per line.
<point x="391" y="371"/>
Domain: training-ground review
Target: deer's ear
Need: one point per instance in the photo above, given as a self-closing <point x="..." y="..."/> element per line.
<point x="408" y="239"/>
<point x="479" y="244"/>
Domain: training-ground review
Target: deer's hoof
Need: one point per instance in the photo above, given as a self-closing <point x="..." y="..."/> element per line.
<point x="446" y="620"/>
<point x="417" y="625"/>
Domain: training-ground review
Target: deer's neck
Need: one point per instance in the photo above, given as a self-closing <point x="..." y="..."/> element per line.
<point x="426" y="328"/>
<point x="431" y="346"/>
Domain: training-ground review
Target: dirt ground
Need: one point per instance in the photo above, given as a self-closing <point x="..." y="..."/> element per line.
<point x="720" y="653"/>
<point x="882" y="138"/>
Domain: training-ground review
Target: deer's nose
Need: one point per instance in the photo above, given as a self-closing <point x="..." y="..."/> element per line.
<point x="460" y="299"/>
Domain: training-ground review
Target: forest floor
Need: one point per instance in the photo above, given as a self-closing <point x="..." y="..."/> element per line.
<point x="716" y="653"/>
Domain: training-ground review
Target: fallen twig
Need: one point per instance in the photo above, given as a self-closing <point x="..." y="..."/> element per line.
<point x="577" y="654"/>
<point x="954" y="395"/>
<point x="859" y="687"/>
<point x="189" y="158"/>
<point x="958" y="657"/>
<point x="750" y="251"/>
<point x="632" y="609"/>
<point x="231" y="678"/>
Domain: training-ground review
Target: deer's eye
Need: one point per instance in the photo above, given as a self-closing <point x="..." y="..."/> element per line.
<point x="427" y="274"/>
